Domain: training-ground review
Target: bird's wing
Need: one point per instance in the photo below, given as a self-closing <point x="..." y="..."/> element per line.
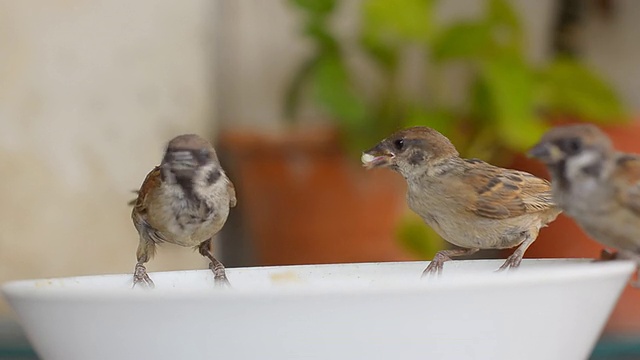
<point x="232" y="194"/>
<point x="502" y="193"/>
<point x="626" y="181"/>
<point x="151" y="181"/>
<point x="139" y="213"/>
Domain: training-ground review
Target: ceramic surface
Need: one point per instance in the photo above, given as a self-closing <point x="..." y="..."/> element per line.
<point x="546" y="309"/>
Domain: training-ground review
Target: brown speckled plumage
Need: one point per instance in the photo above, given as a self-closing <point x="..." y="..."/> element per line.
<point x="184" y="201"/>
<point x="595" y="185"/>
<point x="470" y="203"/>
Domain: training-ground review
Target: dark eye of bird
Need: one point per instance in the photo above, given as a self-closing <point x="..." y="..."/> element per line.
<point x="203" y="154"/>
<point x="399" y="144"/>
<point x="572" y="145"/>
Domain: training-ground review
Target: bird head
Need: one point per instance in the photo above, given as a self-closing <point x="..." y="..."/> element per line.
<point x="564" y="143"/>
<point x="410" y="151"/>
<point x="186" y="154"/>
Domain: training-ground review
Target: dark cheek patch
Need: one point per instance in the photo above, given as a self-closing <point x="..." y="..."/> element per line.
<point x="593" y="169"/>
<point x="186" y="183"/>
<point x="416" y="158"/>
<point x="202" y="155"/>
<point x="213" y="176"/>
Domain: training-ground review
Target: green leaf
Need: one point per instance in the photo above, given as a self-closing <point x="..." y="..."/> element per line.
<point x="418" y="237"/>
<point x="441" y="119"/>
<point x="500" y="12"/>
<point x="387" y="26"/>
<point x="397" y="21"/>
<point x="571" y="88"/>
<point x="506" y="28"/>
<point x="498" y="32"/>
<point x="510" y="84"/>
<point x="332" y="90"/>
<point x="295" y="89"/>
<point x="385" y="55"/>
<point x="317" y="30"/>
<point x="481" y="107"/>
<point x="463" y="40"/>
<point x="317" y="7"/>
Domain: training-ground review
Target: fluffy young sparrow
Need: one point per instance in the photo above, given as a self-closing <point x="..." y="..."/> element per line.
<point x="594" y="184"/>
<point x="470" y="203"/>
<point x="184" y="201"/>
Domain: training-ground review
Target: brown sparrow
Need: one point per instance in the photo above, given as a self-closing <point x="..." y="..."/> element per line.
<point x="470" y="203"/>
<point x="184" y="201"/>
<point x="594" y="184"/>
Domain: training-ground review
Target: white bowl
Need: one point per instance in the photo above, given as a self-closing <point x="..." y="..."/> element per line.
<point x="547" y="309"/>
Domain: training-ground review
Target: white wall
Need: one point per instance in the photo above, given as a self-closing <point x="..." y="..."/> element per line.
<point x="261" y="47"/>
<point x="611" y="45"/>
<point x="90" y="91"/>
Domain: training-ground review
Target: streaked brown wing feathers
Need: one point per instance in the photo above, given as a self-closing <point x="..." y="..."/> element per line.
<point x="503" y="193"/>
<point x="627" y="182"/>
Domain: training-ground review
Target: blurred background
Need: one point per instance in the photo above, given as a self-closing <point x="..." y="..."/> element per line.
<point x="290" y="92"/>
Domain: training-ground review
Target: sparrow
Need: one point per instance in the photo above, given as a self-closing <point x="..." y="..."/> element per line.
<point x="468" y="202"/>
<point x="184" y="201"/>
<point x="595" y="185"/>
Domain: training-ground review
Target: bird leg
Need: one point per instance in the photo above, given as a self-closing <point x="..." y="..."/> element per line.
<point x="216" y="266"/>
<point x="436" y="265"/>
<point x="140" y="276"/>
<point x="515" y="259"/>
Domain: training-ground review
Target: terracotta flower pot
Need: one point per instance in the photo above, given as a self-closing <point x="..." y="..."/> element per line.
<point x="563" y="238"/>
<point x="303" y="201"/>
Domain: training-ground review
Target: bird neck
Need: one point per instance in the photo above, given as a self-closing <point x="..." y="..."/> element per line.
<point x="435" y="169"/>
<point x="445" y="166"/>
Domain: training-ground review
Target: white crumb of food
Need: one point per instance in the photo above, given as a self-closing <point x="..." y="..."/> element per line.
<point x="367" y="158"/>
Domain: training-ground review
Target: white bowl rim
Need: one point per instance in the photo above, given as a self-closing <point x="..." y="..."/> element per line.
<point x="570" y="269"/>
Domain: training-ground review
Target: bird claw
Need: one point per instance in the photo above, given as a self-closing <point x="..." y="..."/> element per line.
<point x="140" y="276"/>
<point x="222" y="281"/>
<point x="434" y="268"/>
<point x="436" y="265"/>
<point x="512" y="262"/>
<point x="219" y="275"/>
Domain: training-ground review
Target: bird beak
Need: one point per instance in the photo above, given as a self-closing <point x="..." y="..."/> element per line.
<point x="545" y="152"/>
<point x="376" y="157"/>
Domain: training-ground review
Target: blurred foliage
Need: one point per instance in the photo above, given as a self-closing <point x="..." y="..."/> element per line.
<point x="509" y="101"/>
<point x="418" y="238"/>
